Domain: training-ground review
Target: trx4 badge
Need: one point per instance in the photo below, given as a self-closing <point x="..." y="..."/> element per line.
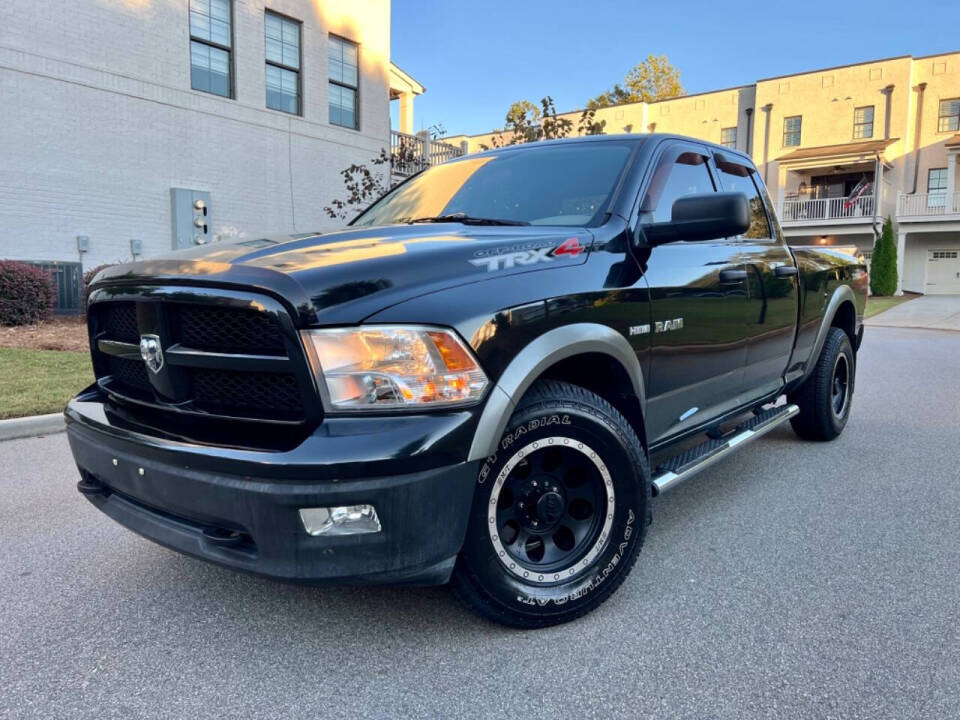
<point x="520" y="255"/>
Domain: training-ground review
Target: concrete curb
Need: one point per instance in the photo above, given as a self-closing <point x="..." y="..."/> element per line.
<point x="31" y="426"/>
<point x="905" y="326"/>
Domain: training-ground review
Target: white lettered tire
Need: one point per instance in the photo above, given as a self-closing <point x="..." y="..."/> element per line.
<point x="559" y="513"/>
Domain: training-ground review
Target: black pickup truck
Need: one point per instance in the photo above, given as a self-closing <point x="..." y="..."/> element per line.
<point x="483" y="379"/>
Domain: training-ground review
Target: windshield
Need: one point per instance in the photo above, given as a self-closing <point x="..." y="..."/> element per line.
<point x="550" y="185"/>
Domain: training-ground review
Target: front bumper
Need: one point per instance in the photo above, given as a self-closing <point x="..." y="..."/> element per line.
<point x="239" y="508"/>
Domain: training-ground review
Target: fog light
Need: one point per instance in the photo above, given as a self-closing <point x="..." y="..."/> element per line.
<point x="342" y="520"/>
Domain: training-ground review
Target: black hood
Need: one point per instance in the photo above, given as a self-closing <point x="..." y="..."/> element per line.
<point x="345" y="276"/>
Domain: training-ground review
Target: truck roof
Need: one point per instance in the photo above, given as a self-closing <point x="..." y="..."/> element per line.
<point x="620" y="137"/>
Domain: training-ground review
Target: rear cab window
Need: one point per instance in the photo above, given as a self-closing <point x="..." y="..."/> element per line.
<point x="739" y="175"/>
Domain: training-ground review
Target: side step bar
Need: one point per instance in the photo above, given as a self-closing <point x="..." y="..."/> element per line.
<point x="688" y="463"/>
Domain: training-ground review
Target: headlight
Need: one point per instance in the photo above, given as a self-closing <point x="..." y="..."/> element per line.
<point x="376" y="367"/>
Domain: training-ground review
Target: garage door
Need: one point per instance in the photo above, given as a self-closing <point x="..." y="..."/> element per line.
<point x="943" y="272"/>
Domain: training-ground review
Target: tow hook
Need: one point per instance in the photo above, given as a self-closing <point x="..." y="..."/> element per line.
<point x="224" y="537"/>
<point x="91" y="486"/>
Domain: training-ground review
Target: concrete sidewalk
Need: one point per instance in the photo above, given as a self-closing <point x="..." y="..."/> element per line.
<point x="931" y="312"/>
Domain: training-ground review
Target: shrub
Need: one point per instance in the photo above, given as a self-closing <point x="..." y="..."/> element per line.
<point x="883" y="266"/>
<point x="87" y="279"/>
<point x="27" y="293"/>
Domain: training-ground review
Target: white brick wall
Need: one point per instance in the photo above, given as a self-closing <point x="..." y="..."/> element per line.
<point x="98" y="122"/>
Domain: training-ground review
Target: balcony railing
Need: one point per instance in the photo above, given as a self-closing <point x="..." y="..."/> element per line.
<point x="795" y="210"/>
<point x="410" y="154"/>
<point x="928" y="205"/>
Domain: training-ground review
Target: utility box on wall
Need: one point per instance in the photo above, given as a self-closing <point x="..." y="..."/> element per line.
<point x="190" y="217"/>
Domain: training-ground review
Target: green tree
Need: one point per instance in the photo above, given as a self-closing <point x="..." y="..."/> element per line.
<point x="526" y="123"/>
<point x="651" y="80"/>
<point x="883" y="266"/>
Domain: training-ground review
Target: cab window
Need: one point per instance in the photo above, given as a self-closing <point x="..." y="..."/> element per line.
<point x="739" y="178"/>
<point x="688" y="174"/>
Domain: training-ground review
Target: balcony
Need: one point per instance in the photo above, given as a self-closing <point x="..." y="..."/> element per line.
<point x="928" y="206"/>
<point x="409" y="154"/>
<point x="826" y="210"/>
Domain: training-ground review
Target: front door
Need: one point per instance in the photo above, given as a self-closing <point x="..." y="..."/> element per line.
<point x="772" y="283"/>
<point x="698" y="297"/>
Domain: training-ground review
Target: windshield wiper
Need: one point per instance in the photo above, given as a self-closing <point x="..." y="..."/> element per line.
<point x="466" y="220"/>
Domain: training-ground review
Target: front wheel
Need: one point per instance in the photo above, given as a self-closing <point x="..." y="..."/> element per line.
<point x="825" y="397"/>
<point x="559" y="513"/>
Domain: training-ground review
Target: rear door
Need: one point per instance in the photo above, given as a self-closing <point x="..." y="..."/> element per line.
<point x="772" y="282"/>
<point x="698" y="305"/>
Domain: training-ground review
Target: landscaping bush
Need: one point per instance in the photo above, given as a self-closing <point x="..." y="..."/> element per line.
<point x="883" y="266"/>
<point x="27" y="294"/>
<point x="87" y="279"/>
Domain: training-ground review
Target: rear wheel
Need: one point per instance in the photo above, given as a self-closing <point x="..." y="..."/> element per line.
<point x="559" y="512"/>
<point x="825" y="397"/>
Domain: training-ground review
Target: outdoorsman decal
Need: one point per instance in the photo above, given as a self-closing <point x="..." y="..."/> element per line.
<point x="504" y="258"/>
<point x="596" y="580"/>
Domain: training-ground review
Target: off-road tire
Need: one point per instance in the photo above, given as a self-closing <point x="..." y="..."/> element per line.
<point x="562" y="433"/>
<point x="819" y="418"/>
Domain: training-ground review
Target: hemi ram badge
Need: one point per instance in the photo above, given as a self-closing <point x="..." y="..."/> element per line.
<point x="667" y="325"/>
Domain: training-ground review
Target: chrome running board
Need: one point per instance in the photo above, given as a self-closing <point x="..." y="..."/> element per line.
<point x="688" y="463"/>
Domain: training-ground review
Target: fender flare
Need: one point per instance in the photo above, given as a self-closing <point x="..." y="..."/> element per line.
<point x="842" y="294"/>
<point x="538" y="355"/>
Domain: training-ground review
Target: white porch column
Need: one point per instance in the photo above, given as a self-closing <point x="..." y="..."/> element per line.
<point x="951" y="179"/>
<point x="406" y="113"/>
<point x="901" y="250"/>
<point x="781" y="188"/>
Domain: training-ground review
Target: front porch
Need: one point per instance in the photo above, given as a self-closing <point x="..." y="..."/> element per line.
<point x="823" y="189"/>
<point x="410" y="153"/>
<point x="941" y="202"/>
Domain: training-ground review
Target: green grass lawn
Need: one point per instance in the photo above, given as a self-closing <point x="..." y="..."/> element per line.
<point x="876" y="305"/>
<point x="34" y="382"/>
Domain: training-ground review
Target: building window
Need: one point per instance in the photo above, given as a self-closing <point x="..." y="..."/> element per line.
<point x="936" y="187"/>
<point x="949" y="116"/>
<point x="863" y="122"/>
<point x="211" y="37"/>
<point x="791" y="131"/>
<point x="283" y="63"/>
<point x="728" y="138"/>
<point x="343" y="82"/>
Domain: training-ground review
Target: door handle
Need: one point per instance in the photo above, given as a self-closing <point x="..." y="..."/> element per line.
<point x="785" y="271"/>
<point x="732" y="276"/>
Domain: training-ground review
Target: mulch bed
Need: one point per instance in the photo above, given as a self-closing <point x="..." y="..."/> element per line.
<point x="59" y="333"/>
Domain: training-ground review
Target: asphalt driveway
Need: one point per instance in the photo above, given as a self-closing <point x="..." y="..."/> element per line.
<point x="794" y="580"/>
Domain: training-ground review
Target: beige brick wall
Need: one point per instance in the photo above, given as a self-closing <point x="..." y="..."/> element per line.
<point x="99" y="122"/>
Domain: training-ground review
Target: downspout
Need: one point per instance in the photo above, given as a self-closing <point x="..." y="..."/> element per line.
<point x="876" y="195"/>
<point x="916" y="136"/>
<point x="749" y="112"/>
<point x="888" y="91"/>
<point x="766" y="142"/>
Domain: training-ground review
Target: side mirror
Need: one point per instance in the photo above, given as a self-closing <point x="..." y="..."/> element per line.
<point x="702" y="217"/>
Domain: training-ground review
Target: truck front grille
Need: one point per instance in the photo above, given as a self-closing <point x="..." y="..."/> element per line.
<point x="229" y="331"/>
<point x="235" y="358"/>
<point x="229" y="391"/>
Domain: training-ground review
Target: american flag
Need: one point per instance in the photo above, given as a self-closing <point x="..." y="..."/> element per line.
<point x="859" y="189"/>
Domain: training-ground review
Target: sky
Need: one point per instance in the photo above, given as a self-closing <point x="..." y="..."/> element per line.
<point x="475" y="59"/>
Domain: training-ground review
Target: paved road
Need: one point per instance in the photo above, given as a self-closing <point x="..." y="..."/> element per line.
<point x="795" y="580"/>
<point x="930" y="312"/>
